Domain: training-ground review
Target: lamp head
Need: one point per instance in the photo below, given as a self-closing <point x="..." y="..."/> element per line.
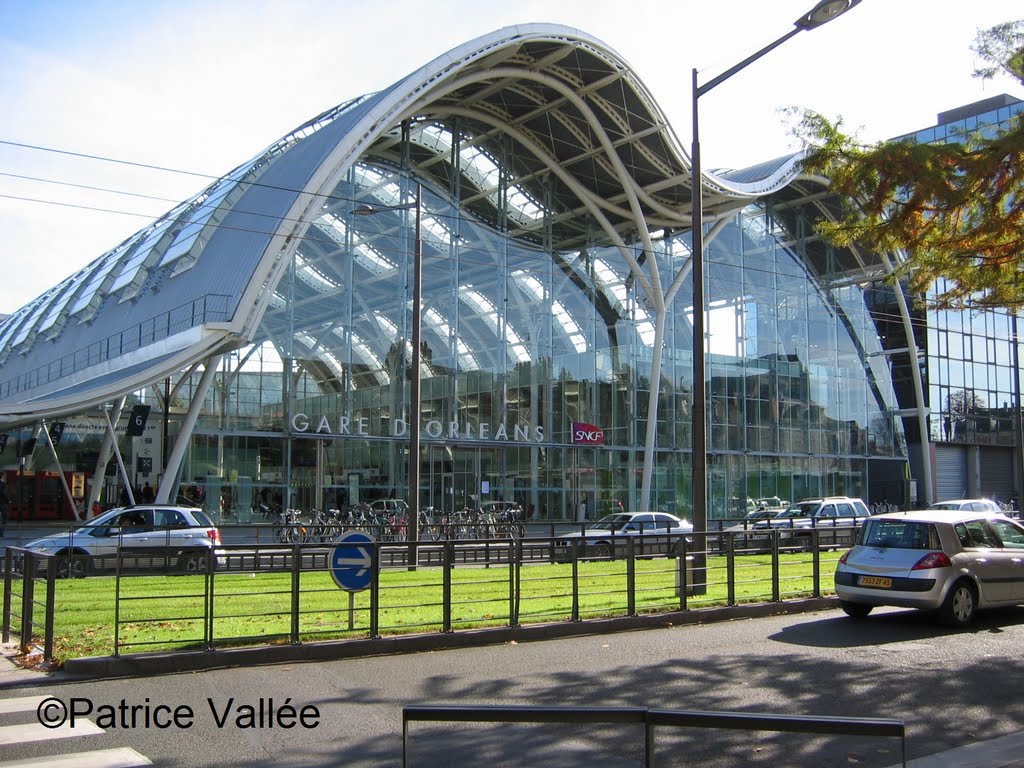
<point x="824" y="12"/>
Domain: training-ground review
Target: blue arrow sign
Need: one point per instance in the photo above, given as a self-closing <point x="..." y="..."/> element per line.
<point x="351" y="561"/>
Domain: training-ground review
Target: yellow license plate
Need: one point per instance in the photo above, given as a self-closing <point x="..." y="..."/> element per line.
<point x="874" y="581"/>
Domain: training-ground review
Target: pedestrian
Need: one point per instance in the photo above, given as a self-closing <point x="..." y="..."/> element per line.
<point x="147" y="493"/>
<point x="5" y="504"/>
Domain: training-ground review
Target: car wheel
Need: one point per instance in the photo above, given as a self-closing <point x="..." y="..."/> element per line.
<point x="959" y="606"/>
<point x="855" y="610"/>
<point x="72" y="565"/>
<point x="191" y="563"/>
<point x="603" y="550"/>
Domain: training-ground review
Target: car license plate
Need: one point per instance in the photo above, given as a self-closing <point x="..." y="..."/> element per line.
<point x="874" y="581"/>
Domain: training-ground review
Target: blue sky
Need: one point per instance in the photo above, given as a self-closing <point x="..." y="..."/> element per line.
<point x="203" y="86"/>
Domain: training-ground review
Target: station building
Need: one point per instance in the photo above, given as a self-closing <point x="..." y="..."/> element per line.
<point x="268" y="324"/>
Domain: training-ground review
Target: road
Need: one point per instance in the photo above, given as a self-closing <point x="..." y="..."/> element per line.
<point x="951" y="688"/>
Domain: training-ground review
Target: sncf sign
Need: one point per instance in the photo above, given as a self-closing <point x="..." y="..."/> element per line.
<point x="586" y="434"/>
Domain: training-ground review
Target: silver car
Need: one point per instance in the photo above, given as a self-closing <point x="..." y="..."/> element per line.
<point x="609" y="536"/>
<point x="974" y="505"/>
<point x="953" y="562"/>
<point x="145" y="537"/>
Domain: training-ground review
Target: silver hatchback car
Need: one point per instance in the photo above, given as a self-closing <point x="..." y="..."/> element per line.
<point x="953" y="562"/>
<point x="147" y="537"/>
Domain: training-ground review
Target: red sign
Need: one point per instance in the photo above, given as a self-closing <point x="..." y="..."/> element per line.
<point x="586" y="434"/>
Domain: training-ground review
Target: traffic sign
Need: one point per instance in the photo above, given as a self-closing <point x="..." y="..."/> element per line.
<point x="351" y="561"/>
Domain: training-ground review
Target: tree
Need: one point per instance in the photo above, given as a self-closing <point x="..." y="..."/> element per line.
<point x="956" y="209"/>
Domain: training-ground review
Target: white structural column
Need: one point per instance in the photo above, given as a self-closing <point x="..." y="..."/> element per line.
<point x="170" y="477"/>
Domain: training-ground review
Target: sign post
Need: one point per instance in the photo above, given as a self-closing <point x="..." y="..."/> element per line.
<point x="351" y="564"/>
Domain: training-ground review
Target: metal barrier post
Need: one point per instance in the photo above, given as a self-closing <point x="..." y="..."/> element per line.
<point x="816" y="563"/>
<point x="631" y="575"/>
<point x="8" y="587"/>
<point x="446" y="586"/>
<point x="576" y="545"/>
<point x="296" y="579"/>
<point x="27" y="599"/>
<point x="208" y="599"/>
<point x="776" y="591"/>
<point x="51" y="591"/>
<point x="730" y="567"/>
<point x="515" y="563"/>
<point x="375" y="590"/>
<point x="117" y="602"/>
<point x="682" y="575"/>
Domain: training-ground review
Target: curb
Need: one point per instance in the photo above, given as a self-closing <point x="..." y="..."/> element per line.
<point x="159" y="663"/>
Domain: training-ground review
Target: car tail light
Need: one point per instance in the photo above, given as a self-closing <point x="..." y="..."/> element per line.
<point x="932" y="560"/>
<point x="214" y="535"/>
<point x="846" y="554"/>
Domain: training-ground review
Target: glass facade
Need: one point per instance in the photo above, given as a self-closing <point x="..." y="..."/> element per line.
<point x="549" y="202"/>
<point x="974" y="390"/>
<point x="520" y="341"/>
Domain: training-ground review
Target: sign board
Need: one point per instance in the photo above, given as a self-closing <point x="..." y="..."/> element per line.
<point x="351" y="561"/>
<point x="586" y="434"/>
<point x="56" y="431"/>
<point x="144" y="465"/>
<point x="137" y="421"/>
<point x="3" y="442"/>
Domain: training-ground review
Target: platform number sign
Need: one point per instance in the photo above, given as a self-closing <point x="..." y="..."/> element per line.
<point x="137" y="420"/>
<point x="3" y="442"/>
<point x="56" y="430"/>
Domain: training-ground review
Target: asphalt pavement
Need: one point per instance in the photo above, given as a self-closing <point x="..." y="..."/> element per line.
<point x="462" y="667"/>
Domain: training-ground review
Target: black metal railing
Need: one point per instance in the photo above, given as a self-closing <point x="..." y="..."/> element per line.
<point x="650" y="719"/>
<point x="261" y="594"/>
<point x="23" y="571"/>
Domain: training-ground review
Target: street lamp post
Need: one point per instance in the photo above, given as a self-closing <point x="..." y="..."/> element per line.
<point x="822" y="13"/>
<point x="413" y="524"/>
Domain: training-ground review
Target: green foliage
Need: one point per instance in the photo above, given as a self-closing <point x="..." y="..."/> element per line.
<point x="956" y="210"/>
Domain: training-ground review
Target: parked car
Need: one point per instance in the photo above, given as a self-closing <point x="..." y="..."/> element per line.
<point x="772" y="504"/>
<point x="608" y="537"/>
<point x="834" y="517"/>
<point x="953" y="562"/>
<point x="968" y="505"/>
<point x="147" y="537"/>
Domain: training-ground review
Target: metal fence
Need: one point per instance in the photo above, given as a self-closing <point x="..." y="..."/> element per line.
<point x="651" y="718"/>
<point x="261" y="594"/>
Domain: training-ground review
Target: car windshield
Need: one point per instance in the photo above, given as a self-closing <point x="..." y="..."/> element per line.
<point x="800" y="510"/>
<point x="946" y="505"/>
<point x="612" y="522"/>
<point x="899" y="534"/>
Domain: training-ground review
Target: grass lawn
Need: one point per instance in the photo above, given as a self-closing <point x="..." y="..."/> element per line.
<point x="170" y="612"/>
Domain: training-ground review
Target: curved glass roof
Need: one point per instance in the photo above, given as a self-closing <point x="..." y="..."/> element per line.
<point x="583" y="145"/>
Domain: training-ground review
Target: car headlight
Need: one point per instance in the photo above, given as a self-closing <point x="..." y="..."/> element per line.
<point x="47" y="546"/>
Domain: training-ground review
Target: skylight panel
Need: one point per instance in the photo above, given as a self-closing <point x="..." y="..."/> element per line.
<point x="196" y="219"/>
<point x="57" y="308"/>
<point x="29" y="326"/>
<point x="479" y="167"/>
<point x="530" y="285"/>
<point x="359" y="347"/>
<point x="572" y="330"/>
<point x="89" y="292"/>
<point x="434" y="138"/>
<point x="489" y="314"/>
<point x="365" y="254"/>
<point x="313" y="277"/>
<point x="133" y="266"/>
<point x="17" y="320"/>
<point x="436" y="321"/>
